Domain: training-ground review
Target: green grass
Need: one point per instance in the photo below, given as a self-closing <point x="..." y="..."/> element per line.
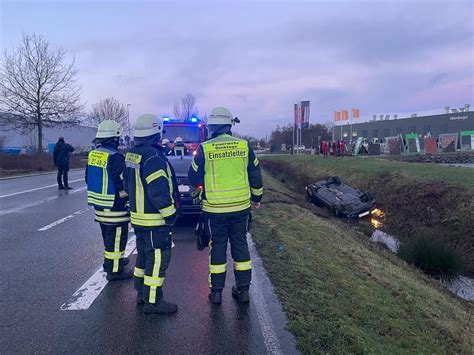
<point x="364" y="167"/>
<point x="343" y="294"/>
<point x="418" y="199"/>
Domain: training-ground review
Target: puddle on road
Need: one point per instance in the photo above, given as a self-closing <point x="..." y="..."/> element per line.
<point x="462" y="287"/>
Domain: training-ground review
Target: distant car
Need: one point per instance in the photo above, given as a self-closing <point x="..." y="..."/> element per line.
<point x="300" y="147"/>
<point x="341" y="199"/>
<point x="181" y="166"/>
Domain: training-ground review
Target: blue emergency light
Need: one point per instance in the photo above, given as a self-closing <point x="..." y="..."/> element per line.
<point x="194" y="119"/>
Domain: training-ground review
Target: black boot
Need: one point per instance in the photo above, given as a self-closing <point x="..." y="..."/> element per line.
<point x="240" y="295"/>
<point x="161" y="306"/>
<point x="215" y="296"/>
<point x="60" y="187"/>
<point x="116" y="276"/>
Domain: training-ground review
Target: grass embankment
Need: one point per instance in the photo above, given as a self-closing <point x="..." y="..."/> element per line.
<point x="24" y="164"/>
<point x="343" y="294"/>
<point x="420" y="200"/>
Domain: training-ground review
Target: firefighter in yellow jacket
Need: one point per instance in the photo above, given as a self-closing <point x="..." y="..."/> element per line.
<point x="105" y="191"/>
<point x="229" y="173"/>
<point x="151" y="185"/>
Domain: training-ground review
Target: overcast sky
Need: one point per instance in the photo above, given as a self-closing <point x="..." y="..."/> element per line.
<point x="258" y="58"/>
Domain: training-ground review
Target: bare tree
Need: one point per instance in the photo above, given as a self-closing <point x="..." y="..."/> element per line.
<point x="108" y="109"/>
<point x="38" y="85"/>
<point x="186" y="108"/>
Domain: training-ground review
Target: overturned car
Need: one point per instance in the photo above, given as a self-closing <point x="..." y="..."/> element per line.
<point x="341" y="199"/>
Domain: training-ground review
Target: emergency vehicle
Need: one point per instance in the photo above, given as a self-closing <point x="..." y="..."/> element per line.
<point x="193" y="131"/>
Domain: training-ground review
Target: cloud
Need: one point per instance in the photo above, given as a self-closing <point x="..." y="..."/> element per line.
<point x="258" y="58"/>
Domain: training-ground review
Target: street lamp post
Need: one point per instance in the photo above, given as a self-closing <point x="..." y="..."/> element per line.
<point x="128" y="123"/>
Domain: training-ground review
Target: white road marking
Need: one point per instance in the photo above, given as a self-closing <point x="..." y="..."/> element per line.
<point x="59" y="221"/>
<point x="22" y="207"/>
<point x="36" y="189"/>
<point x="264" y="319"/>
<point x="83" y="298"/>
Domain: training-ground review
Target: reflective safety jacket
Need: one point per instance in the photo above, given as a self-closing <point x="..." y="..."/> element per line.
<point x="229" y="171"/>
<point x="180" y="149"/>
<point x="151" y="185"/>
<point x="104" y="178"/>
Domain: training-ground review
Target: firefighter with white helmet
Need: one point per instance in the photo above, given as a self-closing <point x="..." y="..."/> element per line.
<point x="167" y="148"/>
<point x="105" y="192"/>
<point x="228" y="171"/>
<point x="179" y="147"/>
<point x="151" y="184"/>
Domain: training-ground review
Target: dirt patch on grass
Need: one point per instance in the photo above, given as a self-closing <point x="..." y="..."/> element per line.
<point x="414" y="207"/>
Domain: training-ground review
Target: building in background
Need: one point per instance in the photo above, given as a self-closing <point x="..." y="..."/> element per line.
<point x="14" y="141"/>
<point x="383" y="126"/>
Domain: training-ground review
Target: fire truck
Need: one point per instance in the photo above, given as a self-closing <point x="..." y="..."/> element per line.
<point x="193" y="131"/>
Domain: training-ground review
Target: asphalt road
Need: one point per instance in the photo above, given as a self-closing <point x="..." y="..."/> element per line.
<point x="54" y="298"/>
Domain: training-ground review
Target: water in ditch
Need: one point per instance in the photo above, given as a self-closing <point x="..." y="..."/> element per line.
<point x="462" y="287"/>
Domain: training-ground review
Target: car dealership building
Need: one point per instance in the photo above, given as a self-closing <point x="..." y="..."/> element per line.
<point x="386" y="126"/>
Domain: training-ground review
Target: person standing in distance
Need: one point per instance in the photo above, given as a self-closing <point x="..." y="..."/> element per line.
<point x="229" y="173"/>
<point x="151" y="184"/>
<point x="61" y="155"/>
<point x="167" y="150"/>
<point x="179" y="147"/>
<point x="105" y="191"/>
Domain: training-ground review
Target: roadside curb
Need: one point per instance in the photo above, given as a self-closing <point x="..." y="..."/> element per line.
<point x="35" y="174"/>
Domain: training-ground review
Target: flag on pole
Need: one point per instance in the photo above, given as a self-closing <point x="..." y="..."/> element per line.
<point x="345" y="115"/>
<point x="297" y="115"/>
<point x="337" y="116"/>
<point x="355" y="113"/>
<point x="304" y="114"/>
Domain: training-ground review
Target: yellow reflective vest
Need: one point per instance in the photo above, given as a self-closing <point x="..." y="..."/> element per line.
<point x="229" y="171"/>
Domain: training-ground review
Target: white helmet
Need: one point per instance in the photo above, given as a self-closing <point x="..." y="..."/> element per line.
<point x="178" y="140"/>
<point x="147" y="125"/>
<point x="220" y="116"/>
<point x="108" y="129"/>
<point x="165" y="141"/>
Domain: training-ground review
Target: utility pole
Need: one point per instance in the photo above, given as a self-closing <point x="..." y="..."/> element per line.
<point x="128" y="122"/>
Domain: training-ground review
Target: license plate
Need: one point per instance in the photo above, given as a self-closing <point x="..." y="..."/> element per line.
<point x="183" y="188"/>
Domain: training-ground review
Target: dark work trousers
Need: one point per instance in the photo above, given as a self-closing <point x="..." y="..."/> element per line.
<point x="115" y="241"/>
<point x="232" y="228"/>
<point x="153" y="259"/>
<point x="63" y="175"/>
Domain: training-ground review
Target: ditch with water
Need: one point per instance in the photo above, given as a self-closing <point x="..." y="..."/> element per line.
<point x="462" y="287"/>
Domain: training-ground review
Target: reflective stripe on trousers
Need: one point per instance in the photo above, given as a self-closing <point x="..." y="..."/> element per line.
<point x="154" y="281"/>
<point x="115" y="240"/>
<point x="233" y="229"/>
